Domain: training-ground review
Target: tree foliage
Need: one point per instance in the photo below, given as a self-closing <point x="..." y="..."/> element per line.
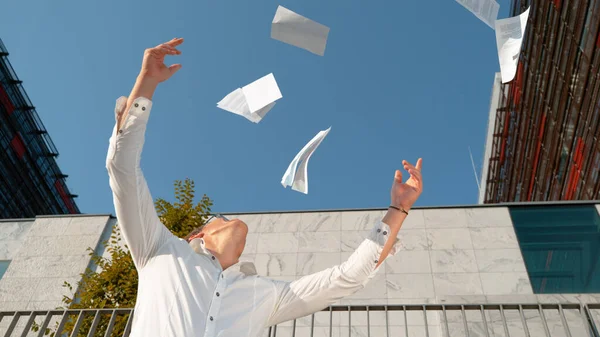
<point x="113" y="283"/>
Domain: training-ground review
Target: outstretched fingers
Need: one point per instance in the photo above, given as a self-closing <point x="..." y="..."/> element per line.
<point x="415" y="174"/>
<point x="175" y="42"/>
<point x="408" y="166"/>
<point x="173" y="68"/>
<point x="398" y="176"/>
<point x="165" y="49"/>
<point x="415" y="171"/>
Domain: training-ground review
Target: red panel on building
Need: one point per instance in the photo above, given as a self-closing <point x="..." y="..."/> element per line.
<point x="578" y="165"/>
<point x="18" y="145"/>
<point x="5" y="101"/>
<point x="517" y="85"/>
<point x="537" y="156"/>
<point x="59" y="187"/>
<point x="557" y="3"/>
<point x="575" y="170"/>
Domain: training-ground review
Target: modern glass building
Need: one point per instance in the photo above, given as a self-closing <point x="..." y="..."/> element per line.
<point x="31" y="183"/>
<point x="544" y="125"/>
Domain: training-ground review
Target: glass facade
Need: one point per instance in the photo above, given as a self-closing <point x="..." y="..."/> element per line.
<point x="560" y="246"/>
<point x="545" y="131"/>
<point x="31" y="183"/>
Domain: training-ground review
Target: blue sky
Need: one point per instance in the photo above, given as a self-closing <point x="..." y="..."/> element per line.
<point x="399" y="80"/>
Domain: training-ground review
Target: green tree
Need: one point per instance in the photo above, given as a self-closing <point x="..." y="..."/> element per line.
<point x="114" y="282"/>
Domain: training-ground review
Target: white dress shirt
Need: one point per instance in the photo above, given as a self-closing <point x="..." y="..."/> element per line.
<point x="183" y="291"/>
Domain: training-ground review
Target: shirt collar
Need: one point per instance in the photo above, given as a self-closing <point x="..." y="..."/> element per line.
<point x="245" y="267"/>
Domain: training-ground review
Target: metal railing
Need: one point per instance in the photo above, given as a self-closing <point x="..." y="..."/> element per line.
<point x="430" y="320"/>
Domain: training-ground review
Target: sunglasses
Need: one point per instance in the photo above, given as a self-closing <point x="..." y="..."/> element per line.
<point x="209" y="219"/>
<point x="215" y="216"/>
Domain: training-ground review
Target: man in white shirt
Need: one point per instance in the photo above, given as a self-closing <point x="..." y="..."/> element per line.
<point x="197" y="286"/>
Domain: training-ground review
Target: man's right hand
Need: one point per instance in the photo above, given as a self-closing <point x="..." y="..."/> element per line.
<point x="152" y="73"/>
<point x="153" y="65"/>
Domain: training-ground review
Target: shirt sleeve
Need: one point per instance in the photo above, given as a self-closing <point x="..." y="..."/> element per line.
<point x="314" y="292"/>
<point x="140" y="226"/>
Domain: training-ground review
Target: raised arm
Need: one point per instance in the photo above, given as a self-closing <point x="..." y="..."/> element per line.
<point x="314" y="292"/>
<point x="134" y="206"/>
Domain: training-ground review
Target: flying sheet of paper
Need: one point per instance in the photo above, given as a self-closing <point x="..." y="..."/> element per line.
<point x="509" y="37"/>
<point x="299" y="31"/>
<point x="485" y="10"/>
<point x="296" y="174"/>
<point x="254" y="100"/>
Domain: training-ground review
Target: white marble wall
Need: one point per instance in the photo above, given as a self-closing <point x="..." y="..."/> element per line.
<point x="51" y="251"/>
<point x="12" y="234"/>
<point x="446" y="255"/>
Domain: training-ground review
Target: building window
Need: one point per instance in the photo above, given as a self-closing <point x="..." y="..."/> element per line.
<point x="5" y="101"/>
<point x="560" y="246"/>
<point x="66" y="199"/>
<point x="18" y="145"/>
<point x="3" y="267"/>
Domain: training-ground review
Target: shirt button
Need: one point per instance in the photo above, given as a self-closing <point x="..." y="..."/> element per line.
<point x="376" y="261"/>
<point x="136" y="105"/>
<point x="211" y="318"/>
<point x="213" y="257"/>
<point x="120" y="131"/>
<point x="218" y="294"/>
<point x="384" y="232"/>
<point x="222" y="276"/>
<point x="143" y="108"/>
<point x="378" y="230"/>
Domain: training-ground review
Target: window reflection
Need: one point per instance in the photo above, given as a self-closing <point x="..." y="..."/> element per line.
<point x="560" y="246"/>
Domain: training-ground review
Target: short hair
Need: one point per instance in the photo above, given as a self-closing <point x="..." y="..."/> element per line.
<point x="193" y="232"/>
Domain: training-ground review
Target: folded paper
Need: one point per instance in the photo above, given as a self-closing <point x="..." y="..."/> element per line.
<point x="299" y="31"/>
<point x="254" y="100"/>
<point x="296" y="174"/>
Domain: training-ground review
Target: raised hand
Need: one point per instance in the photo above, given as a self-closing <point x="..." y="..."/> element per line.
<point x="153" y="65"/>
<point x="405" y="194"/>
<point x="152" y="73"/>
